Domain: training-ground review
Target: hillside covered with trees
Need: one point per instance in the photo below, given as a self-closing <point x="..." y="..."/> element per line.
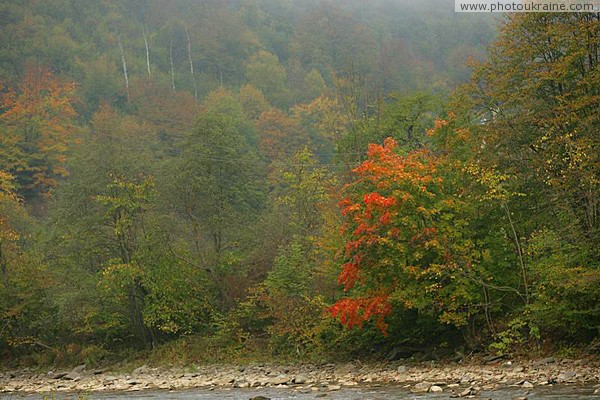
<point x="304" y="179"/>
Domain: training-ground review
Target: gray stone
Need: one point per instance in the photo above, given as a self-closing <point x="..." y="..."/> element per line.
<point x="566" y="376"/>
<point x="300" y="379"/>
<point x="421" y="387"/>
<point x="241" y="384"/>
<point x="401" y="369"/>
<point x="72" y="376"/>
<point x="223" y="381"/>
<point x="79" y="369"/>
<point x="256" y="383"/>
<point x="435" y="389"/>
<point x="527" y="385"/>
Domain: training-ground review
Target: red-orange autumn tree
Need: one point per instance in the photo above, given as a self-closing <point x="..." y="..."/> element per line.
<point x="37" y="126"/>
<point x="405" y="247"/>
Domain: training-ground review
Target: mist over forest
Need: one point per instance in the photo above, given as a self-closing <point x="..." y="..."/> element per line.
<point x="309" y="180"/>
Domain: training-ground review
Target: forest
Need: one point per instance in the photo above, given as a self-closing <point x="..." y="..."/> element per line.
<point x="315" y="179"/>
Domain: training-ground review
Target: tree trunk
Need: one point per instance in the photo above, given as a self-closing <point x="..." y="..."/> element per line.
<point x="189" y="46"/>
<point x="519" y="252"/>
<point x="147" y="52"/>
<point x="171" y="62"/>
<point x="124" y="64"/>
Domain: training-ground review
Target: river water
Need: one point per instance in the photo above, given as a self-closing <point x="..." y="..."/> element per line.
<point x="379" y="393"/>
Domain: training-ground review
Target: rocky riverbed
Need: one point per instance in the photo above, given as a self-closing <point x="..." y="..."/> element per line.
<point x="448" y="379"/>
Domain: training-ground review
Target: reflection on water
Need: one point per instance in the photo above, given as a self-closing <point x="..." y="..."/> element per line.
<point x="381" y="393"/>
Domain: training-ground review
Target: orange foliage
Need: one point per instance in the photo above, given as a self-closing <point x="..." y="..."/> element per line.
<point x="38" y="128"/>
<point x="376" y="218"/>
<point x="356" y="311"/>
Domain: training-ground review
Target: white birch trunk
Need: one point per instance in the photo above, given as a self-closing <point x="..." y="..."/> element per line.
<point x="124" y="63"/>
<point x="171" y="62"/>
<point x="189" y="43"/>
<point x="147" y="51"/>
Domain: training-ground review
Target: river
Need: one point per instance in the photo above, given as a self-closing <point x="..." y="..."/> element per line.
<point x="377" y="393"/>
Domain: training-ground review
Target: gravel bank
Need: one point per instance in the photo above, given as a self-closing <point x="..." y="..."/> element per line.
<point x="457" y="380"/>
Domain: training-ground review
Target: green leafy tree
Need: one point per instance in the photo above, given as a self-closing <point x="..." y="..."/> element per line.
<point x="25" y="282"/>
<point x="266" y="73"/>
<point x="217" y="187"/>
<point x="526" y="130"/>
